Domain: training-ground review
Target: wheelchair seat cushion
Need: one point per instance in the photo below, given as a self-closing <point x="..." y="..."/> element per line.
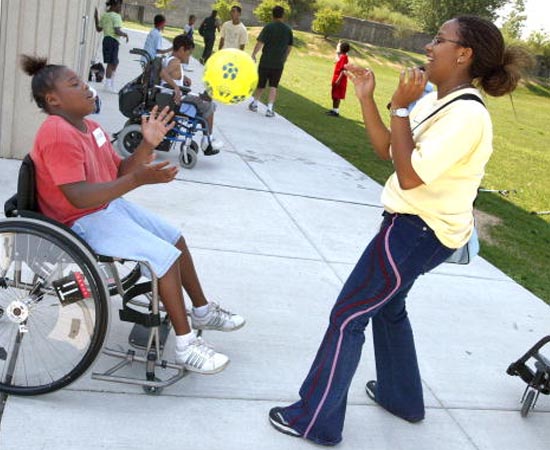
<point x="188" y="109"/>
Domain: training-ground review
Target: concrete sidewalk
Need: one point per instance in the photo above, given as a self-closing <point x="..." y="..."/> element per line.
<point x="275" y="223"/>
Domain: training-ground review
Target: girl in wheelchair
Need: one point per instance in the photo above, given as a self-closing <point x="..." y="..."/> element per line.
<point x="80" y="182"/>
<point x="189" y="104"/>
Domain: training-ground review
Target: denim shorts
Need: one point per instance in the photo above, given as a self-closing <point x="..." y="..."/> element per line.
<point x="128" y="231"/>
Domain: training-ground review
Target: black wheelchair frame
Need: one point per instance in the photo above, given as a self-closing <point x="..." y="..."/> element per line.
<point x="54" y="305"/>
<point x="537" y="378"/>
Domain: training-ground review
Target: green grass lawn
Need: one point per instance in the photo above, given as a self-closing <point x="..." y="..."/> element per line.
<point x="514" y="240"/>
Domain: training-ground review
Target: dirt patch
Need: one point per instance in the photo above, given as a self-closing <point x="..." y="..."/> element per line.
<point x="484" y="223"/>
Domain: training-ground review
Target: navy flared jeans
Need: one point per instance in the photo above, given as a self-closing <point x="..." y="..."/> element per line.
<point x="404" y="248"/>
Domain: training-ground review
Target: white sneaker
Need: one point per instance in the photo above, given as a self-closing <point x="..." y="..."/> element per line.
<point x="110" y="87"/>
<point x="199" y="357"/>
<point x="217" y="319"/>
<point x="270" y="113"/>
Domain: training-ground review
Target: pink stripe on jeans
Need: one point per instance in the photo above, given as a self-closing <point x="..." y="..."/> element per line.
<point x="350" y="318"/>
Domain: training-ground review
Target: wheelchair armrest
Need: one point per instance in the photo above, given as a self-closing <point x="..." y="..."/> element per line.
<point x="184" y="89"/>
<point x="141" y="52"/>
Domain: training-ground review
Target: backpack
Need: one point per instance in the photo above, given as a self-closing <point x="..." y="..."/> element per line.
<point x="202" y="28"/>
<point x="132" y="96"/>
<point x="96" y="73"/>
<point x="208" y="26"/>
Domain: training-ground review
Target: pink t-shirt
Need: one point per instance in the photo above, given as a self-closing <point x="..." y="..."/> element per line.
<point x="62" y="154"/>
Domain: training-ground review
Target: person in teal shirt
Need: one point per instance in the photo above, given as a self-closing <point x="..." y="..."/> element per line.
<point x="111" y="24"/>
<point x="275" y="41"/>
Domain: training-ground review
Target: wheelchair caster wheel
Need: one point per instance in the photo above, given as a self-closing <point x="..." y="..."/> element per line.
<point x="527" y="403"/>
<point x="188" y="158"/>
<point x="151" y="390"/>
<point x="128" y="139"/>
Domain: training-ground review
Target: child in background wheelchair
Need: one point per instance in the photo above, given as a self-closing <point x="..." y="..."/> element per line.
<point x="162" y="83"/>
<point x="80" y="181"/>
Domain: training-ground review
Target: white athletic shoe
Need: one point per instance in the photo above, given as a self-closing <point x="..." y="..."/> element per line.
<point x="217" y="319"/>
<point x="199" y="357"/>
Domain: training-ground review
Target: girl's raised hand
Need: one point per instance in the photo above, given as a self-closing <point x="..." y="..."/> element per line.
<point x="363" y="80"/>
<point x="155" y="127"/>
<point x="412" y="83"/>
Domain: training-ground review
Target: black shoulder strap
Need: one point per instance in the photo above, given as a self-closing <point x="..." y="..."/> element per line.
<point x="460" y="97"/>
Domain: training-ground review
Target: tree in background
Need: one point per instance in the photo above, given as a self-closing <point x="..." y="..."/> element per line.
<point x="539" y="43"/>
<point x="223" y="7"/>
<point x="327" y="21"/>
<point x="302" y="6"/>
<point x="514" y="21"/>
<point x="164" y="4"/>
<point x="264" y="11"/>
<point x="365" y="6"/>
<point x="433" y="13"/>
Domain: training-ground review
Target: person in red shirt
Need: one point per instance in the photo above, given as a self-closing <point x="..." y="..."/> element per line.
<point x="80" y="182"/>
<point x="339" y="79"/>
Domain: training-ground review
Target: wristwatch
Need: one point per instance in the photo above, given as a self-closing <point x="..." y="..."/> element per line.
<point x="399" y="112"/>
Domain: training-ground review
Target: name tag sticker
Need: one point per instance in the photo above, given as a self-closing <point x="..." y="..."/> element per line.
<point x="99" y="136"/>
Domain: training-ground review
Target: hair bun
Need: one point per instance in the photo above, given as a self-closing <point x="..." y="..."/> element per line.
<point x="33" y="64"/>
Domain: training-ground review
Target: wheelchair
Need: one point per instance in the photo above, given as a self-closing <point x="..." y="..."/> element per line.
<point x="537" y="376"/>
<point x="55" y="305"/>
<point x="140" y="95"/>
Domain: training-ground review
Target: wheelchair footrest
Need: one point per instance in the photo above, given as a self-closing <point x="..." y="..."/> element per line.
<point x="139" y="336"/>
<point x="129" y="357"/>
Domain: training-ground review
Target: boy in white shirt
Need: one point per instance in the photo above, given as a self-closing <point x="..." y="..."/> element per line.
<point x="234" y="34"/>
<point x="153" y="43"/>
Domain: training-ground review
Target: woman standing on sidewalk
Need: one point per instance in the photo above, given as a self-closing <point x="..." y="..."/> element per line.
<point x="439" y="162"/>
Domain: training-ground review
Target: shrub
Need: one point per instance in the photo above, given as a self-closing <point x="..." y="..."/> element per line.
<point x="327" y="21"/>
<point x="264" y="11"/>
<point x="223" y="7"/>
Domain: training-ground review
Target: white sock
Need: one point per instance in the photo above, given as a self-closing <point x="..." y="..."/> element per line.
<point x="200" y="311"/>
<point x="270" y="106"/>
<point x="255" y="102"/>
<point x="183" y="340"/>
<point x="336" y="110"/>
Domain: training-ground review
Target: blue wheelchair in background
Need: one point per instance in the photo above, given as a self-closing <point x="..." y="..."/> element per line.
<point x="140" y="95"/>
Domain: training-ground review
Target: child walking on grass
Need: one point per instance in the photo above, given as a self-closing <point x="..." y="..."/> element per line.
<point x="80" y="182"/>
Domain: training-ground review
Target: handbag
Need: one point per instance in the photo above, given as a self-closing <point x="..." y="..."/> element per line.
<point x="465" y="254"/>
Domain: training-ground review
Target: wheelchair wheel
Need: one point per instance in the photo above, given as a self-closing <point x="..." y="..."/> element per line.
<point x="129" y="139"/>
<point x="53" y="308"/>
<point x="188" y="159"/>
<point x="527" y="403"/>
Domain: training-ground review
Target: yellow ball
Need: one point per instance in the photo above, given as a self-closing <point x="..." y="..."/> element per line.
<point x="230" y="76"/>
